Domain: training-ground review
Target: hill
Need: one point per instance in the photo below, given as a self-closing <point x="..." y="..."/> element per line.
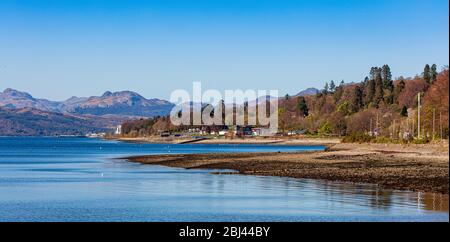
<point x="34" y="122"/>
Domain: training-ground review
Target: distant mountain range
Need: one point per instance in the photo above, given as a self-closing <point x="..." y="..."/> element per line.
<point x="22" y="114"/>
<point x="123" y="103"/>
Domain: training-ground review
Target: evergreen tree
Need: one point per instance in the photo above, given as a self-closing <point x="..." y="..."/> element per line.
<point x="374" y="71"/>
<point x="357" y="99"/>
<point x="379" y="92"/>
<point x="386" y="75"/>
<point x="332" y="86"/>
<point x="302" y="107"/>
<point x="433" y="73"/>
<point x="326" y="89"/>
<point x="366" y="81"/>
<point x="287" y="97"/>
<point x="371" y="87"/>
<point x="427" y="74"/>
<point x="404" y="112"/>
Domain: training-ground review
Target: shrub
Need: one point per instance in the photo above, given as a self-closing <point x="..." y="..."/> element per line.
<point x="358" y="138"/>
<point x="325" y="129"/>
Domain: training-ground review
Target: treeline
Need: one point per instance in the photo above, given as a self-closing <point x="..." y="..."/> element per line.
<point x="378" y="107"/>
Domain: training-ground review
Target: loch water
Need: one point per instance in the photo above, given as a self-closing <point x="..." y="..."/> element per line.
<point x="81" y="179"/>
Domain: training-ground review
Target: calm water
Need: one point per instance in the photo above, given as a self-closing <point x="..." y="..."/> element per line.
<point x="77" y="179"/>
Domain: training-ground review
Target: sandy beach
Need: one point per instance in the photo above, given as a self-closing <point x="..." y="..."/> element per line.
<point x="391" y="166"/>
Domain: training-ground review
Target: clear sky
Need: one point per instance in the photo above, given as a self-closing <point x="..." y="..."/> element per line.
<point x="57" y="49"/>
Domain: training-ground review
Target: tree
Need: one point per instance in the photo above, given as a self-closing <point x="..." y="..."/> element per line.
<point x="339" y="91"/>
<point x="357" y="100"/>
<point x="366" y="81"/>
<point x="437" y="96"/>
<point x="332" y="86"/>
<point x="398" y="89"/>
<point x="433" y="73"/>
<point x="388" y="84"/>
<point x="325" y="129"/>
<point x="427" y="74"/>
<point x="404" y="112"/>
<point x="287" y="97"/>
<point x="374" y="71"/>
<point x="379" y="92"/>
<point x="371" y="88"/>
<point x="326" y="89"/>
<point x="302" y="107"/>
<point x="338" y="124"/>
<point x="386" y="75"/>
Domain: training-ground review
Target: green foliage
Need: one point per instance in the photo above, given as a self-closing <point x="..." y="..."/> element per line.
<point x="379" y="91"/>
<point x="344" y="108"/>
<point x="421" y="141"/>
<point x="386" y="75"/>
<point x="302" y="107"/>
<point x="433" y="73"/>
<point x="325" y="129"/>
<point x="427" y="73"/>
<point x="358" y="138"/>
<point x="371" y="87"/>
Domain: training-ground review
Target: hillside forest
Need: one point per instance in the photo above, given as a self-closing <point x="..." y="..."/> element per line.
<point x="378" y="108"/>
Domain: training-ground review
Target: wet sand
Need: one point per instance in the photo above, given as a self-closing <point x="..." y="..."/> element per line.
<point x="401" y="167"/>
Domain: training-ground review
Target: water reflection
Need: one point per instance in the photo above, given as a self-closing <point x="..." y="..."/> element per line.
<point x="433" y="202"/>
<point x="84" y="184"/>
<point x="363" y="194"/>
<point x="384" y="199"/>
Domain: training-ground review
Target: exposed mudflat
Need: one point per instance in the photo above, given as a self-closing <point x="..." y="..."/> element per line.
<point x="403" y="167"/>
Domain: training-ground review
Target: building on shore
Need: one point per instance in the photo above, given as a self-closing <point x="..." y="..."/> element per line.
<point x="118" y="130"/>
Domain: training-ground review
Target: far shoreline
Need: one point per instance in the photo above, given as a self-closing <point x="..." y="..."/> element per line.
<point x="221" y="141"/>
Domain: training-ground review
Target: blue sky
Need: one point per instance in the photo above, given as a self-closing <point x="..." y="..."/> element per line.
<point x="57" y="49"/>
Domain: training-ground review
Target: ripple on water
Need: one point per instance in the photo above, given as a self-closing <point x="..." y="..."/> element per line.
<point x="72" y="179"/>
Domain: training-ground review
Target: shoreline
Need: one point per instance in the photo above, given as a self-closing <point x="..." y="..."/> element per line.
<point x="256" y="141"/>
<point x="423" y="168"/>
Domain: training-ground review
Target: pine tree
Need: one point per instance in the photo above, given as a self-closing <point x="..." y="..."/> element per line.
<point x="357" y="99"/>
<point x="379" y="92"/>
<point x="326" y="89"/>
<point x="371" y="88"/>
<point x="366" y="81"/>
<point x="433" y="73"/>
<point x="386" y="75"/>
<point x="404" y="112"/>
<point x="374" y="71"/>
<point x="427" y="74"/>
<point x="332" y="86"/>
<point x="302" y="107"/>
